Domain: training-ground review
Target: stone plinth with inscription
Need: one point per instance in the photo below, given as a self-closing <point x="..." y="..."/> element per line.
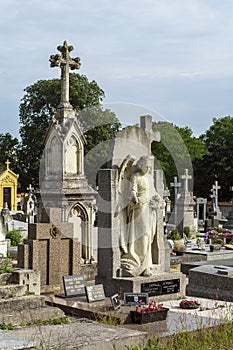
<point x="51" y="249"/>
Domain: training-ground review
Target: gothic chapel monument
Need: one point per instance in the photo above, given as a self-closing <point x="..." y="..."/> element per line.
<point x="67" y="203"/>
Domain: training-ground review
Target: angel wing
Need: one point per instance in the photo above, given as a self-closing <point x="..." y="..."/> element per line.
<point x="125" y="172"/>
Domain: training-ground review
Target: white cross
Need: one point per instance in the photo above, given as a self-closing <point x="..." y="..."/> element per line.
<point x="186" y="177"/>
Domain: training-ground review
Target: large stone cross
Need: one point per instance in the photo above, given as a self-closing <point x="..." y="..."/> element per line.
<point x="186" y="177"/>
<point x="65" y="62"/>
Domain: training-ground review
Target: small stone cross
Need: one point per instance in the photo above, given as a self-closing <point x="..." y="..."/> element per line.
<point x="175" y="184"/>
<point x="214" y="190"/>
<point x="186" y="177"/>
<point x="30" y="188"/>
<point x="65" y="62"/>
<point x="7" y="164"/>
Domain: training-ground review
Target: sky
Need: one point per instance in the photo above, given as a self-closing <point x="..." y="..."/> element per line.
<point x="171" y="57"/>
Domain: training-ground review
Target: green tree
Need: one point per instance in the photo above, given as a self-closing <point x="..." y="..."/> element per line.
<point x="177" y="150"/>
<point x="99" y="127"/>
<point x="217" y="163"/>
<point x="8" y="150"/>
<point x="35" y="115"/>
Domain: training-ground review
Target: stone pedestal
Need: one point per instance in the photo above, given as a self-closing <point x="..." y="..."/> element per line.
<point x="163" y="286"/>
<point x="51" y="249"/>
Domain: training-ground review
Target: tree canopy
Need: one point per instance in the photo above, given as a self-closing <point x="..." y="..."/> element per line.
<point x="217" y="163"/>
<point x="177" y="150"/>
<point x="8" y="150"/>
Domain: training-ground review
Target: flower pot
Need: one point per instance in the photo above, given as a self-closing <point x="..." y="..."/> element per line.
<point x="151" y="316"/>
<point x="214" y="247"/>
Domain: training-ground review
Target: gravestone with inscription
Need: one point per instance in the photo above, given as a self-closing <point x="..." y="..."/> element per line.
<point x="51" y="249"/>
<point x="132" y="250"/>
<point x="136" y="298"/>
<point x="74" y="285"/>
<point x="95" y="293"/>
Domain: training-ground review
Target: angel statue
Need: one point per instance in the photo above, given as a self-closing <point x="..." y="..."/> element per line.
<point x="138" y="202"/>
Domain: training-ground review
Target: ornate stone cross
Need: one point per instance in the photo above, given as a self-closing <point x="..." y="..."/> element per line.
<point x="186" y="177"/>
<point x="65" y="62"/>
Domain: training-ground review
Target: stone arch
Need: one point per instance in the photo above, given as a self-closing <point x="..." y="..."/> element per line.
<point x="74" y="156"/>
<point x="80" y="218"/>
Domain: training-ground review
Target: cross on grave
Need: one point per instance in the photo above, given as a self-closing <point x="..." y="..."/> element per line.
<point x="52" y="250"/>
<point x="65" y="62"/>
<point x="7" y="164"/>
<point x="176" y="185"/>
<point x="30" y="189"/>
<point x="214" y="195"/>
<point x="186" y="177"/>
<point x="216" y="187"/>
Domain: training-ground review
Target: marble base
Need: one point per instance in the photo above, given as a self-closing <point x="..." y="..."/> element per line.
<point x="160" y="283"/>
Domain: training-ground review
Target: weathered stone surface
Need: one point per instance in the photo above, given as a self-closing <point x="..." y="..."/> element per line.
<point x="80" y="335"/>
<point x="51" y="250"/>
<point x="19" y="282"/>
<point x="27" y="309"/>
<point x="206" y="282"/>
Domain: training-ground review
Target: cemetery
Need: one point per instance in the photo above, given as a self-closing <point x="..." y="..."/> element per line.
<point x="157" y="266"/>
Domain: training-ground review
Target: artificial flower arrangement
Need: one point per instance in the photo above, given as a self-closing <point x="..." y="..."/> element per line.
<point x="189" y="304"/>
<point x="152" y="306"/>
<point x="218" y="235"/>
<point x="149" y="313"/>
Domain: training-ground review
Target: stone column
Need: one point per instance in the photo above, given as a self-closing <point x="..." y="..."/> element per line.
<point x="108" y="226"/>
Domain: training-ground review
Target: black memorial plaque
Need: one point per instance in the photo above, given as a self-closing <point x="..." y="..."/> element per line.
<point x="116" y="303"/>
<point x="74" y="285"/>
<point x="161" y="287"/>
<point x="135" y="298"/>
<point x="95" y="293"/>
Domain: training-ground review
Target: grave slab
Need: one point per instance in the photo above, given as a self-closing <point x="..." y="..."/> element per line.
<point x="90" y="335"/>
<point x="205" y="281"/>
<point x="186" y="266"/>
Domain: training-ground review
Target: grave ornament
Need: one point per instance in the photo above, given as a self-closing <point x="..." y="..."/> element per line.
<point x="139" y="215"/>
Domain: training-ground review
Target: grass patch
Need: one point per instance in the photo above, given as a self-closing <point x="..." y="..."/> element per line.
<point x="7" y="326"/>
<point x="109" y="320"/>
<point x="54" y="321"/>
<point x="214" y="338"/>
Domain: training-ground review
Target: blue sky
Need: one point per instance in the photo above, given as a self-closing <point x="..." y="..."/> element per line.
<point x="170" y="56"/>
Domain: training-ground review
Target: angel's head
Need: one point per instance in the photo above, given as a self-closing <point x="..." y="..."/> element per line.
<point x="144" y="164"/>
